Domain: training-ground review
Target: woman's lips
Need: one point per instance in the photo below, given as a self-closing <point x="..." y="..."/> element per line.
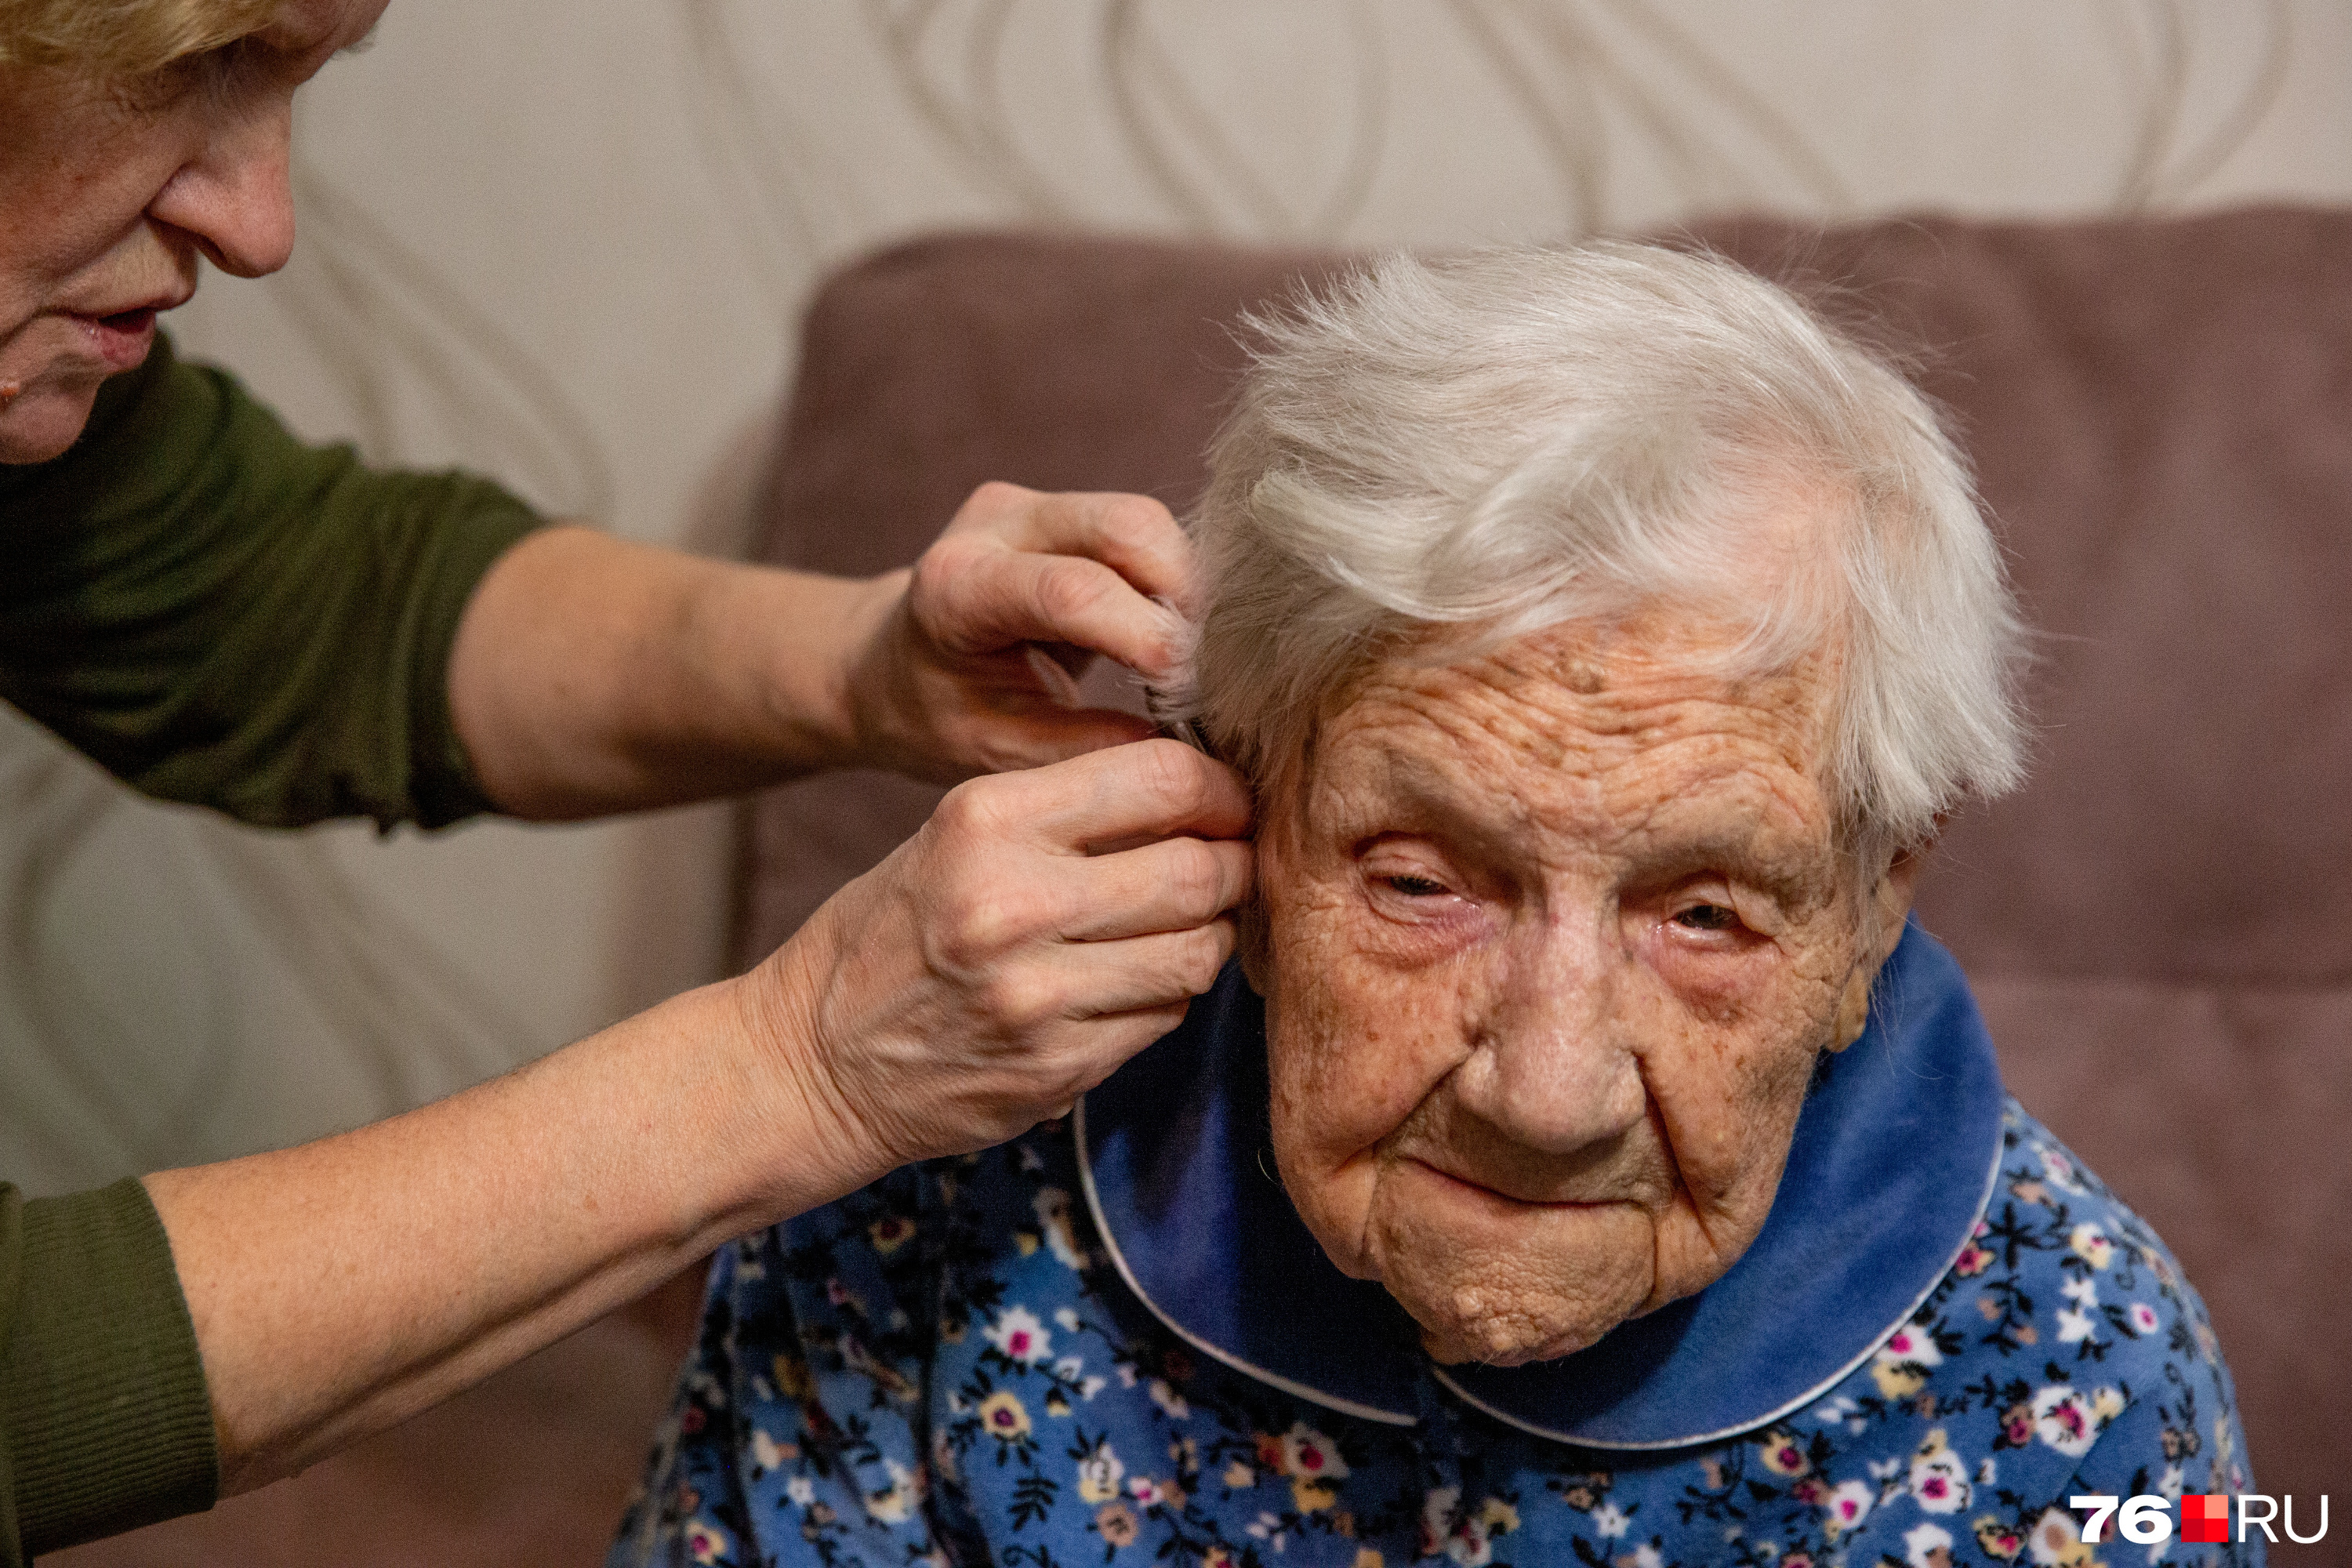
<point x="1485" y="1193"/>
<point x="123" y="339"/>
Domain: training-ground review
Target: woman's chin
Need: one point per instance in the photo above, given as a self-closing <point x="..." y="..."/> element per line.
<point x="43" y="419"/>
<point x="1533" y="1296"/>
<point x="1474" y="1316"/>
<point x="1502" y="1342"/>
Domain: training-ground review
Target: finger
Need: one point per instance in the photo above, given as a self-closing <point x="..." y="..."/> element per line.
<point x="1053" y="735"/>
<point x="1140" y="974"/>
<point x="1134" y="535"/>
<point x="1174" y="885"/>
<point x="980" y="598"/>
<point x="1112" y="1041"/>
<point x="1151" y="789"/>
<point x="1091" y="1050"/>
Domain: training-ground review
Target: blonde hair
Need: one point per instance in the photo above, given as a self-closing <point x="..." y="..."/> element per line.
<point x="122" y="40"/>
<point x="1518" y="437"/>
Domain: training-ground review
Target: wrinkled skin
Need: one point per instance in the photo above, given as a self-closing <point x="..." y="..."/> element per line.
<point x="1553" y="939"/>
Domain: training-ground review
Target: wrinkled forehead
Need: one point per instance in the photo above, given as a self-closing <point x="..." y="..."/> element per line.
<point x="1608" y="733"/>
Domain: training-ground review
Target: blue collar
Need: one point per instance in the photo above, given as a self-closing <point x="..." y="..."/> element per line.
<point x="1892" y="1164"/>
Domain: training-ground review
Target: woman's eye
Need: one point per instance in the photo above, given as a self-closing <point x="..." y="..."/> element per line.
<point x="1708" y="917"/>
<point x="1406" y="881"/>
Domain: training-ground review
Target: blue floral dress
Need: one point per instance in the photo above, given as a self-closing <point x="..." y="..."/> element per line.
<point x="1089" y="1345"/>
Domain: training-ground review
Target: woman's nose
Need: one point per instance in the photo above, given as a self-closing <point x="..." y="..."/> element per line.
<point x="236" y="199"/>
<point x="1554" y="1069"/>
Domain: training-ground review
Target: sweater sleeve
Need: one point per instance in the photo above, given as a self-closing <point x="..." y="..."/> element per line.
<point x="221" y="614"/>
<point x="105" y="1423"/>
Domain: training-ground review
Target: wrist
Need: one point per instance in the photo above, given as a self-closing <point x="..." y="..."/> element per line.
<point x="769" y="687"/>
<point x="875" y="697"/>
<point x="804" y="1142"/>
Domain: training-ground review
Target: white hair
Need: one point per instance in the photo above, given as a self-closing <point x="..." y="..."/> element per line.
<point x="1516" y="438"/>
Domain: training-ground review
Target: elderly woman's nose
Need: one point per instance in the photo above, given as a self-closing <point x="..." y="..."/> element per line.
<point x="237" y="198"/>
<point x="1550" y="1070"/>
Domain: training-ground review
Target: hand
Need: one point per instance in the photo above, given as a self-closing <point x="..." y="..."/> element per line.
<point x="1002" y="962"/>
<point x="1007" y="958"/>
<point x="590" y="675"/>
<point x="971" y="669"/>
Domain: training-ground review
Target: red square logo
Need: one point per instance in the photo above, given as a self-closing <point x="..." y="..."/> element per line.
<point x="2205" y="1515"/>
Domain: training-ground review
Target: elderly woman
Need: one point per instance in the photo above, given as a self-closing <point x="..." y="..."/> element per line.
<point x="1584" y="1160"/>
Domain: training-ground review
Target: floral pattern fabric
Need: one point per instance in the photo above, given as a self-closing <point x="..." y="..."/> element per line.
<point x="946" y="1368"/>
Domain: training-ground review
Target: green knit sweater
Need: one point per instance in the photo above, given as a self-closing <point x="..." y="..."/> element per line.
<point x="218" y="614"/>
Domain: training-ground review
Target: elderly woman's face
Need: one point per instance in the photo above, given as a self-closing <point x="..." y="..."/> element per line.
<point x="1555" y="936"/>
<point x="109" y="193"/>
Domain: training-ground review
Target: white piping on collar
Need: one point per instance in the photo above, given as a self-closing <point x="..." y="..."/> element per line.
<point x="1119" y="1261"/>
<point x="1993" y="1181"/>
<point x="1372" y="1413"/>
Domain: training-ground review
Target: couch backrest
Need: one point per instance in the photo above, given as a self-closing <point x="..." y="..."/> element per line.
<point x="2159" y="925"/>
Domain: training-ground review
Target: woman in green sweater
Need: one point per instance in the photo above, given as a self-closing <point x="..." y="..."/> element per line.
<point x="220" y="614"/>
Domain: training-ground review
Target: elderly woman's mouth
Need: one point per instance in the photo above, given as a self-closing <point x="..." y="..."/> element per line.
<point x="1502" y="1192"/>
<point x="1502" y="1280"/>
<point x="122" y="338"/>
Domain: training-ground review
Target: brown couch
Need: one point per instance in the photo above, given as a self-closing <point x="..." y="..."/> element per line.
<point x="2159" y="925"/>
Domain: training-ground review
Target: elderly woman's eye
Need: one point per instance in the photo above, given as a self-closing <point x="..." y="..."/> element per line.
<point x="1708" y="917"/>
<point x="1415" y="887"/>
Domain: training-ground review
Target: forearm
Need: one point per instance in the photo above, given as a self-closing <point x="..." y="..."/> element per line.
<point x="985" y="974"/>
<point x="339" y="1288"/>
<point x="593" y="675"/>
<point x="588" y="675"/>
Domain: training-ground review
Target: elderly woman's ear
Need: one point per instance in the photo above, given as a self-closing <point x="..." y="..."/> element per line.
<point x="1250" y="945"/>
<point x="1888" y="906"/>
<point x="1253" y="941"/>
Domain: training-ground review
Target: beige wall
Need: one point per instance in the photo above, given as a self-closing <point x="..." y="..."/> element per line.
<point x="566" y="243"/>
